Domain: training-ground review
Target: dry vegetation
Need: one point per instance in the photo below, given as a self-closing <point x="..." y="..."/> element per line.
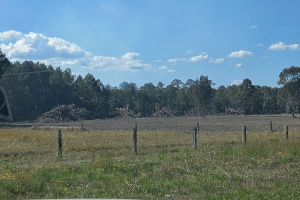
<point x="101" y="164"/>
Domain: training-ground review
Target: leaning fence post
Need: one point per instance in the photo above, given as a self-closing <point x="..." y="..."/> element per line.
<point x="134" y="139"/>
<point x="244" y="134"/>
<point x="286" y="132"/>
<point x="59" y="140"/>
<point x="195" y="138"/>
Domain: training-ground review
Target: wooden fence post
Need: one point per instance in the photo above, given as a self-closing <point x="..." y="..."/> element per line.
<point x="271" y="126"/>
<point x="59" y="140"/>
<point x="244" y="134"/>
<point x="286" y="132"/>
<point x="134" y="139"/>
<point x="82" y="126"/>
<point x="195" y="138"/>
<point x="198" y="127"/>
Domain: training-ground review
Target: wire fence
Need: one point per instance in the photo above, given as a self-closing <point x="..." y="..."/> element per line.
<point x="71" y="143"/>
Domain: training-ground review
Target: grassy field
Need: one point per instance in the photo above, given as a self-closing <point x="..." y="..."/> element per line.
<point x="101" y="164"/>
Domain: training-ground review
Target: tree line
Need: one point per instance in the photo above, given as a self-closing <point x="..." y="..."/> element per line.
<point x="34" y="88"/>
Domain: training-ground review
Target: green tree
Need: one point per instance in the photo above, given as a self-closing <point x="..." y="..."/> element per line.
<point x="232" y="93"/>
<point x="27" y="84"/>
<point x="220" y="100"/>
<point x="177" y="83"/>
<point x="268" y="98"/>
<point x="160" y="95"/>
<point x="203" y="94"/>
<point x="282" y="100"/>
<point x="4" y="63"/>
<point x="130" y="96"/>
<point x="170" y="96"/>
<point x="146" y="98"/>
<point x="93" y="95"/>
<point x="290" y="79"/>
<point x="61" y="83"/>
<point x="246" y="90"/>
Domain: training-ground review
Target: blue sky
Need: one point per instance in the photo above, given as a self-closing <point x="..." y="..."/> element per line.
<point x="144" y="41"/>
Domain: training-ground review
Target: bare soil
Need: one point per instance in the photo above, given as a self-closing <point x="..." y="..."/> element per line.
<point x="208" y="124"/>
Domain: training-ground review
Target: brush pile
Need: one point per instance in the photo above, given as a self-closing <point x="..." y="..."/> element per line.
<point x="64" y="113"/>
<point x="231" y="111"/>
<point x="125" y="112"/>
<point x="165" y="112"/>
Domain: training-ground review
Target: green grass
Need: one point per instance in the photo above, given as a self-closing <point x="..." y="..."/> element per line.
<point x="102" y="165"/>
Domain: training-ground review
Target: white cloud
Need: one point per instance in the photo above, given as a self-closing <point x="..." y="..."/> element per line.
<point x="127" y="62"/>
<point x="171" y="70"/>
<point x="198" y="58"/>
<point x="236" y="82"/>
<point x="162" y="67"/>
<point x="282" y="46"/>
<point x="218" y="60"/>
<point x="130" y="56"/>
<point x="8" y="35"/>
<point x="59" y="52"/>
<point x="35" y="46"/>
<point x="175" y="59"/>
<point x="253" y="26"/>
<point x="192" y="59"/>
<point x="238" y="65"/>
<point x="63" y="47"/>
<point x="240" y="54"/>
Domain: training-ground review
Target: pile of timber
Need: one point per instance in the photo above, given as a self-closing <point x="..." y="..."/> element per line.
<point x="63" y="113"/>
<point x="165" y="112"/>
<point x="195" y="112"/>
<point x="232" y="111"/>
<point x="125" y="112"/>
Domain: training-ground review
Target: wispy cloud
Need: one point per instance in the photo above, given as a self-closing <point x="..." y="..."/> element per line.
<point x="253" y="27"/>
<point x="202" y="56"/>
<point x="59" y="52"/>
<point x="282" y="46"/>
<point x="175" y="59"/>
<point x="240" y="54"/>
<point x="198" y="58"/>
<point x="162" y="67"/>
<point x="218" y="60"/>
<point x="236" y="82"/>
<point x="239" y="65"/>
<point x="258" y="45"/>
<point x="188" y="52"/>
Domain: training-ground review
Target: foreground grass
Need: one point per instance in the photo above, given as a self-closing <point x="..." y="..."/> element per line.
<point x="102" y="165"/>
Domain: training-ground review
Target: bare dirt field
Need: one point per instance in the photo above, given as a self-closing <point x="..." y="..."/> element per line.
<point x="208" y="124"/>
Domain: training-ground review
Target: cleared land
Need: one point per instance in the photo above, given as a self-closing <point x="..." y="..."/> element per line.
<point x="208" y="124"/>
<point x="101" y="164"/>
